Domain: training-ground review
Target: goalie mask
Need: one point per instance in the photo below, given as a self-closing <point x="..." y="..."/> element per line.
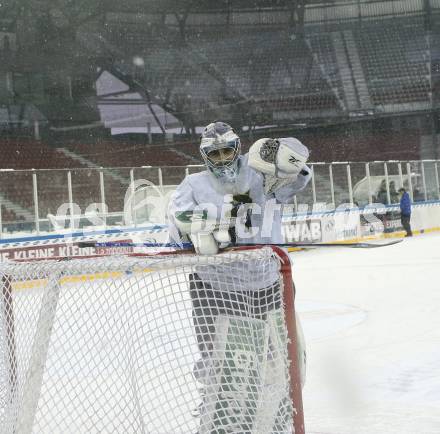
<point x="220" y="149"/>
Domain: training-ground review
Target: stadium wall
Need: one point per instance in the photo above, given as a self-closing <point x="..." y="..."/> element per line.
<point x="343" y="225"/>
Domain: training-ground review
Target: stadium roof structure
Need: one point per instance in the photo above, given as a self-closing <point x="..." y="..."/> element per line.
<point x="244" y="74"/>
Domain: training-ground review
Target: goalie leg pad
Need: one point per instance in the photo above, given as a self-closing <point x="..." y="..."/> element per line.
<point x="209" y="302"/>
<point x="243" y="365"/>
<point x="236" y="381"/>
<point x="247" y="388"/>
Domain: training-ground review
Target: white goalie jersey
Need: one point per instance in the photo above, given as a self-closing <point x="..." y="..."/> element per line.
<point x="260" y="219"/>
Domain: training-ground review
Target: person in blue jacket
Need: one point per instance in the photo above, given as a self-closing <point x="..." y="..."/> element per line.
<point x="405" y="211"/>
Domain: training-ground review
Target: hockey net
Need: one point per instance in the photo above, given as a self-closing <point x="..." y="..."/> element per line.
<point x="150" y="344"/>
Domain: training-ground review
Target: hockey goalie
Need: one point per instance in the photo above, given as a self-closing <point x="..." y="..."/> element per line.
<point x="237" y="317"/>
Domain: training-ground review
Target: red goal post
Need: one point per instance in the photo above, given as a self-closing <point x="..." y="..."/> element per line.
<point x="111" y="344"/>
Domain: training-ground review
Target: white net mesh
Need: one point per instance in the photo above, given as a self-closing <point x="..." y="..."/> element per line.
<point x="167" y="344"/>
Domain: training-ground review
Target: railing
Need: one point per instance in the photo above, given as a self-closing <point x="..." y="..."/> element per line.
<point x="315" y="12"/>
<point x="40" y="201"/>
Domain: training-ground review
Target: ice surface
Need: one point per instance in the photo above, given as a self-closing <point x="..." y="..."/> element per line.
<point x="372" y="325"/>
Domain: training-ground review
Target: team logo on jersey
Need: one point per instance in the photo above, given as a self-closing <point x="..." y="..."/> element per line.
<point x="192" y="216"/>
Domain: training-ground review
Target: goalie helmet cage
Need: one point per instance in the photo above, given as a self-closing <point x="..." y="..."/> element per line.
<point x="134" y="343"/>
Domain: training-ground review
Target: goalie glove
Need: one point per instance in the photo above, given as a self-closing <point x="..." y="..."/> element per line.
<point x="279" y="160"/>
<point x="205" y="234"/>
<point x="283" y="158"/>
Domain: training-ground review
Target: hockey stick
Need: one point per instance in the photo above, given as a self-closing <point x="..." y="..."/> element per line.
<point x="189" y="246"/>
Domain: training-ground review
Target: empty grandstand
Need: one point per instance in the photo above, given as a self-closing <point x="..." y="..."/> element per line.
<point x="93" y="91"/>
